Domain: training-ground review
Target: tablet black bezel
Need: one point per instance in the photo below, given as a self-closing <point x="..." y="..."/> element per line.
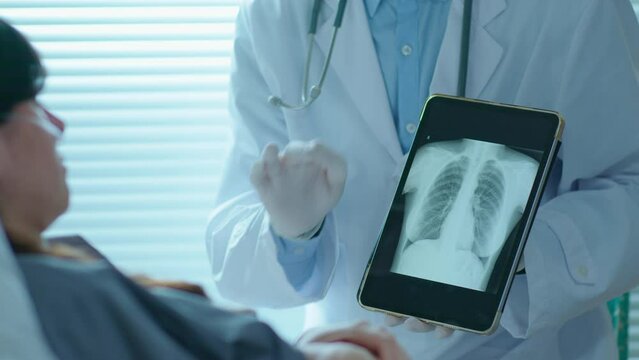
<point x="450" y="118"/>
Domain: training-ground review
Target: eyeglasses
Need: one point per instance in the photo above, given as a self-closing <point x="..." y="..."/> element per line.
<point x="44" y="119"/>
<point x="55" y="121"/>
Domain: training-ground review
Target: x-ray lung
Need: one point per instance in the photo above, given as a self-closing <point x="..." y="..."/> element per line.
<point x="463" y="198"/>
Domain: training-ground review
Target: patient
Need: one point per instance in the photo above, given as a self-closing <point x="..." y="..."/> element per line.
<point x="86" y="308"/>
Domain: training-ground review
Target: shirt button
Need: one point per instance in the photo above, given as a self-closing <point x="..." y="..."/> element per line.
<point x="411" y="128"/>
<point x="407" y="50"/>
<point x="299" y="251"/>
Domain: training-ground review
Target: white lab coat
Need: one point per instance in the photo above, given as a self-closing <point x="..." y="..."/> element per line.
<point x="579" y="57"/>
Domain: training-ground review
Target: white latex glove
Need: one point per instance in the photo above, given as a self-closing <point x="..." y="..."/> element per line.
<point x="299" y="185"/>
<point x="417" y="325"/>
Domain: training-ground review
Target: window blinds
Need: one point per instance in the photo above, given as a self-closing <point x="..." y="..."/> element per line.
<point x="142" y="86"/>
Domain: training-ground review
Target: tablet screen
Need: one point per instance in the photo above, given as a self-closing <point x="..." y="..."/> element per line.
<point x="462" y="200"/>
<point x="463" y="208"/>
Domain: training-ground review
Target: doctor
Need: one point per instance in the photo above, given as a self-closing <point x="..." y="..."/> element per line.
<point x="292" y="226"/>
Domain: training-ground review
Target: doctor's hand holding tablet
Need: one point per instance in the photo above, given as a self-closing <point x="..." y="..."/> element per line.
<point x="460" y="217"/>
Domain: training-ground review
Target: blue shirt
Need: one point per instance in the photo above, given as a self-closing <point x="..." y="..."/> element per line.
<point x="407" y="35"/>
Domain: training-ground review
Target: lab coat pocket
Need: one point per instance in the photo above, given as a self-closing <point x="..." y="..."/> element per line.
<point x="573" y="243"/>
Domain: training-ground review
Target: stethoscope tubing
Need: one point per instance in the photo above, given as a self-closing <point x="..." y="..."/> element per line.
<point x="465" y="48"/>
<point x="315" y="91"/>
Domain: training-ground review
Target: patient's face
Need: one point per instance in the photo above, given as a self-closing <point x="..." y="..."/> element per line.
<point x="32" y="181"/>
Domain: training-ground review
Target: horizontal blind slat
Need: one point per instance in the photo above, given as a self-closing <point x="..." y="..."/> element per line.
<point x="112" y="3"/>
<point x="138" y="66"/>
<point x="119" y="15"/>
<point x="133" y="49"/>
<point x="128" y="32"/>
<point x="184" y="200"/>
<point x="144" y="152"/>
<point x="141" y="185"/>
<point x="149" y="83"/>
<point x="136" y="117"/>
<point x="135" y="100"/>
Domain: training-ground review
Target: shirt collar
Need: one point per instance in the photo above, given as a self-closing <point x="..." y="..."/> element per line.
<point x="372" y="5"/>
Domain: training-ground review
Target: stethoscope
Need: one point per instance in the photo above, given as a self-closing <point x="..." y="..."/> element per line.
<point x="309" y="97"/>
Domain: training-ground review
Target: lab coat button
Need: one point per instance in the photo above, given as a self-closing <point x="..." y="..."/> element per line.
<point x="582" y="271"/>
<point x="411" y="128"/>
<point x="407" y="50"/>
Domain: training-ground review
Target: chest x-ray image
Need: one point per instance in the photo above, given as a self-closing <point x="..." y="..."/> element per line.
<point x="463" y="199"/>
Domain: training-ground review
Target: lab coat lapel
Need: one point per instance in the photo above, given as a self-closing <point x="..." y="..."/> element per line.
<point x="355" y="63"/>
<point x="485" y="51"/>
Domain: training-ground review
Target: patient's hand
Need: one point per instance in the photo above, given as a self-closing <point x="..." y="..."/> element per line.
<point x="76" y="253"/>
<point x="148" y="282"/>
<point x="335" y="351"/>
<point x="360" y="341"/>
<point x="68" y="252"/>
<point x="195" y="289"/>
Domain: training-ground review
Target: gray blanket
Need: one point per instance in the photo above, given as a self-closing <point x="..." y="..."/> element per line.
<point x="92" y="311"/>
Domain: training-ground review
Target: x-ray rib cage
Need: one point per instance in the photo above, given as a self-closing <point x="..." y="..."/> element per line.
<point x="463" y="198"/>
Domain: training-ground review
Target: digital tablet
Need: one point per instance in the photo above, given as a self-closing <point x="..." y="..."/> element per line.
<point x="465" y="203"/>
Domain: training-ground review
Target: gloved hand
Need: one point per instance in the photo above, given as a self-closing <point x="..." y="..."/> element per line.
<point x="417" y="325"/>
<point x="299" y="185"/>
